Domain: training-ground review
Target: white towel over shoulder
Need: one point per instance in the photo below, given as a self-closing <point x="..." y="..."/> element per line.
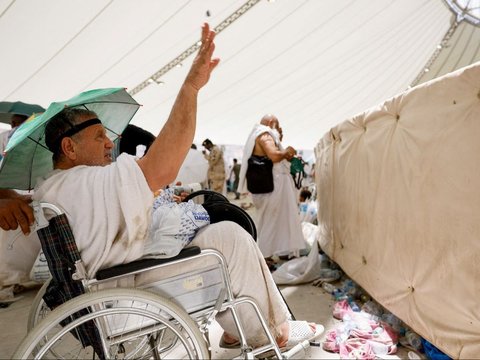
<point x="257" y="130"/>
<point x="109" y="209"/>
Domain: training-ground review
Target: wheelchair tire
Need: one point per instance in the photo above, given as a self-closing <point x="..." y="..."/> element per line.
<point x="133" y="324"/>
<point x="38" y="309"/>
<point x="208" y="196"/>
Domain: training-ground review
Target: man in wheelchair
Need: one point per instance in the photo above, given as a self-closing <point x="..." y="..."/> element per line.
<point x="109" y="204"/>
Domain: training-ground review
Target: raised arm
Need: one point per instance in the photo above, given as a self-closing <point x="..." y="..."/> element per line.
<point x="265" y="146"/>
<point x="167" y="153"/>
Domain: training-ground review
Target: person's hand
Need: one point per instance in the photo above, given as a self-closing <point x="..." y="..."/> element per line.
<point x="290" y="153"/>
<point x="15" y="212"/>
<point x="203" y="64"/>
<point x="177" y="198"/>
<point x="181" y="197"/>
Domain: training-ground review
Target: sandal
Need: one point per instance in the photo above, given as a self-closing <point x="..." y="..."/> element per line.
<point x="299" y="331"/>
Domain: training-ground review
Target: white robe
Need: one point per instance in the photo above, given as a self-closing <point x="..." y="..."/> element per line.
<point x="108" y="207"/>
<point x="278" y="223"/>
<point x="109" y="210"/>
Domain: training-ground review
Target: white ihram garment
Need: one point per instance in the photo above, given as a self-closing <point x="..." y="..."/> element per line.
<point x="278" y="223"/>
<point x="109" y="210"/>
<point x="279" y="227"/>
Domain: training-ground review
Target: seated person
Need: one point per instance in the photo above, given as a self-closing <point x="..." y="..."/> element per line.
<point x="307" y="207"/>
<point x="305" y="195"/>
<point x="19" y="246"/>
<point x="14" y="208"/>
<point x="112" y="206"/>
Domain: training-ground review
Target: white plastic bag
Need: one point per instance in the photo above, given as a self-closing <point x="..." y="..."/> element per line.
<point x="40" y="271"/>
<point x="299" y="270"/>
<point x="303" y="269"/>
<point x="310" y="233"/>
<point x="173" y="227"/>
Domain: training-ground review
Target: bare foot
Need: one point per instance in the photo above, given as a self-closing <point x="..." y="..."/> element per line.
<point x="229" y="339"/>
<point x="282" y="340"/>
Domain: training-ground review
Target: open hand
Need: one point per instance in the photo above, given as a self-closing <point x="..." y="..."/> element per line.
<point x="203" y="64"/>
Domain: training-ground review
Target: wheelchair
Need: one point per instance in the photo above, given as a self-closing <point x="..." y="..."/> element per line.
<point x="167" y="319"/>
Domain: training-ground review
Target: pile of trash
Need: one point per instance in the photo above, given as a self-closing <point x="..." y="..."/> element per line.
<point x="367" y="330"/>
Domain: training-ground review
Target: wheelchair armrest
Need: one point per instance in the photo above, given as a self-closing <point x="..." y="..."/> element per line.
<point x="144" y="263"/>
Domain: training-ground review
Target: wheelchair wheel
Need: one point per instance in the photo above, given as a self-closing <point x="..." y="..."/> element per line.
<point x="39" y="309"/>
<point x="115" y="323"/>
<point x="220" y="211"/>
<point x="206" y="196"/>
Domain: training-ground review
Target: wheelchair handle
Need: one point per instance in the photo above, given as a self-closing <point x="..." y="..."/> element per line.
<point x="54" y="208"/>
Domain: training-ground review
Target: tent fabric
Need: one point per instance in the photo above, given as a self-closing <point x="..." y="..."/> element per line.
<point x="461" y="49"/>
<point x="312" y="63"/>
<point x="398" y="206"/>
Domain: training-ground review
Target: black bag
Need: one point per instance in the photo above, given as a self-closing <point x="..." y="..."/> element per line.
<point x="259" y="175"/>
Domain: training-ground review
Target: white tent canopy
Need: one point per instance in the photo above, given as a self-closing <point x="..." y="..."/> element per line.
<point x="312" y="63"/>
